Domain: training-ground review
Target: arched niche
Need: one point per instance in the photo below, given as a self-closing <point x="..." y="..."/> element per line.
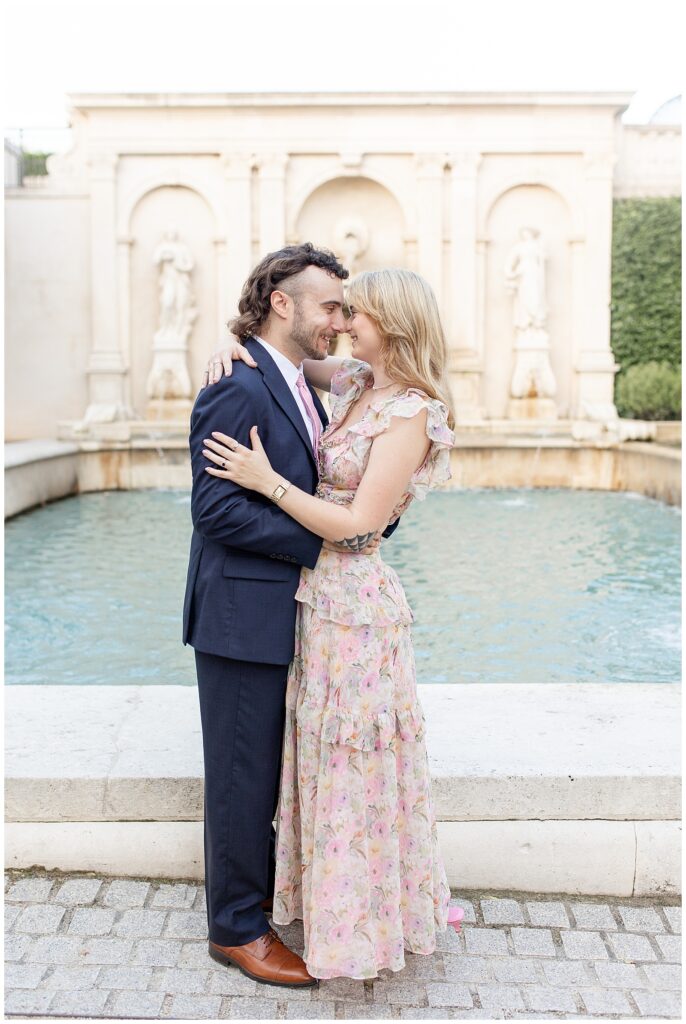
<point x="187" y="212"/>
<point x="508" y="180"/>
<point x="356" y="201"/>
<point x="539" y="207"/>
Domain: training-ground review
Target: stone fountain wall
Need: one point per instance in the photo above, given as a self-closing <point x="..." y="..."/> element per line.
<point x="502" y="200"/>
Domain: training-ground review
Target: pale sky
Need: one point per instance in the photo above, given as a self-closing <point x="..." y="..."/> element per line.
<point x="62" y="46"/>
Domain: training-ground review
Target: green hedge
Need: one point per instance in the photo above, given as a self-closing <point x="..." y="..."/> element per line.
<point x="646" y="293"/>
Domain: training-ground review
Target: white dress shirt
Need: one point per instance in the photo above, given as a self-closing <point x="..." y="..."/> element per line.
<point x="290" y="375"/>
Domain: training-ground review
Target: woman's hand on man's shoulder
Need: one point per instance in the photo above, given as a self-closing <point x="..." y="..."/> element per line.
<point x="219" y="363"/>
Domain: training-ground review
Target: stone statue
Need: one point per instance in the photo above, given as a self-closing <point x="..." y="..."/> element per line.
<point x="533" y="383"/>
<point x="525" y="275"/>
<point x="169" y="379"/>
<point x="177" y="311"/>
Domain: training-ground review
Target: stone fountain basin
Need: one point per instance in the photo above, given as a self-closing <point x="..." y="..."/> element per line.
<point x="539" y="788"/>
<point x="140" y="455"/>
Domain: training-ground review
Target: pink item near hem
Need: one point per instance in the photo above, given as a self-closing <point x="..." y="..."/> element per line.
<point x="455" y="915"/>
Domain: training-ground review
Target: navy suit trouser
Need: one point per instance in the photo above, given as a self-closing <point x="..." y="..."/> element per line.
<point x="242" y="709"/>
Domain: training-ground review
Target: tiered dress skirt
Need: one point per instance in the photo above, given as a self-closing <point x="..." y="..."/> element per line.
<point x="357" y="848"/>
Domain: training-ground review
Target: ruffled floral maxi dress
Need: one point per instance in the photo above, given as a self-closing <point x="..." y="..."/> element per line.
<point x="357" y="853"/>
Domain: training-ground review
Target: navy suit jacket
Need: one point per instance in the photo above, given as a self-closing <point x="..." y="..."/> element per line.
<point x="246" y="552"/>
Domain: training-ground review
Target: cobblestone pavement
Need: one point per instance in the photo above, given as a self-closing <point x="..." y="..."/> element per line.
<point x="86" y="946"/>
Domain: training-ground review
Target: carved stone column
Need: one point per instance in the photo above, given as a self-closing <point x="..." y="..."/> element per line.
<point x="462" y="300"/>
<point x="124" y="246"/>
<point x="577" y="249"/>
<point x="429" y="169"/>
<point x="272" y="201"/>
<point x="238" y="260"/>
<point x="594" y="362"/>
<point x="106" y="365"/>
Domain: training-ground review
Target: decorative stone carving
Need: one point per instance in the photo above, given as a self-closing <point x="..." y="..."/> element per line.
<point x="352" y="162"/>
<point x="533" y="383"/>
<point x="272" y="166"/>
<point x="465" y="164"/>
<point x="237" y="165"/>
<point x="102" y="165"/>
<point x="351" y="238"/>
<point x="430" y="165"/>
<point x="68" y="171"/>
<point x="596" y="370"/>
<point x="599" y="164"/>
<point x="169" y="379"/>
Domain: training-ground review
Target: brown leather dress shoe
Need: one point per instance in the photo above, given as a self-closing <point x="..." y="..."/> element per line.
<point x="267" y="960"/>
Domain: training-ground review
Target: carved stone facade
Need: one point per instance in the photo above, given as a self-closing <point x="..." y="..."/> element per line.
<point x="441" y="183"/>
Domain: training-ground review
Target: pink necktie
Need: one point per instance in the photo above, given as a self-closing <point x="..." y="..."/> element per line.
<point x="311" y="411"/>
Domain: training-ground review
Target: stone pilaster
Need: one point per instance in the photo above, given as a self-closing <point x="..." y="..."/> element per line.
<point x="237" y="259"/>
<point x="594" y="362"/>
<point x="272" y="201"/>
<point x="107" y="368"/>
<point x="430" y="173"/>
<point x="124" y="244"/>
<point x="462" y="301"/>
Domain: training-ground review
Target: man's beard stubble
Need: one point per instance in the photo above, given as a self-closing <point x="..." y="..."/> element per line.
<point x="305" y="339"/>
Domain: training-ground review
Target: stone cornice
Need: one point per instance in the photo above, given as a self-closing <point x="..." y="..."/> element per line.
<point x="128" y="101"/>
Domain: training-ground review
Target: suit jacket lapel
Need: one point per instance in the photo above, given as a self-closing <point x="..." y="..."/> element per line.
<point x="318" y="406"/>
<point x="282" y="394"/>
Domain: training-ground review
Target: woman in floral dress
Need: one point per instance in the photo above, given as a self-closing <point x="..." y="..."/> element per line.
<point x="357" y="853"/>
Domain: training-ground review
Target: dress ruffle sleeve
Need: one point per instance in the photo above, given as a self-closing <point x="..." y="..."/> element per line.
<point x="347" y="383"/>
<point x="351" y="373"/>
<point x="435" y="469"/>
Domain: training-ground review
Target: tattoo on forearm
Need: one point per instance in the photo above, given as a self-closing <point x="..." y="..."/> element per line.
<point x="356" y="543"/>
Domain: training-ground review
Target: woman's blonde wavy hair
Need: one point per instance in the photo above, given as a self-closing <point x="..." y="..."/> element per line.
<point x="404" y="309"/>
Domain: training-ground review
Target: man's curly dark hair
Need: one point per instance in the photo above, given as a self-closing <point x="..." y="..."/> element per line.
<point x="254" y="305"/>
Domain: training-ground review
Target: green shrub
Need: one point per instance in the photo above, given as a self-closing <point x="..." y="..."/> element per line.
<point x="651" y="391"/>
<point x="34" y="164"/>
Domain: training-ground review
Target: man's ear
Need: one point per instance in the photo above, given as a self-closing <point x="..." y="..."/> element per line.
<point x="281" y="304"/>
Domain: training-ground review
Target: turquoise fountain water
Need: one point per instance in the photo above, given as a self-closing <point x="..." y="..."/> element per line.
<point x="529" y="586"/>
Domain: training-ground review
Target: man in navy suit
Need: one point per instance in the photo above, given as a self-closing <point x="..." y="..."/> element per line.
<point x="239" y="609"/>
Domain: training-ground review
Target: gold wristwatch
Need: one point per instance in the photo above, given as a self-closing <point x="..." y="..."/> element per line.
<point x="279" y="491"/>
